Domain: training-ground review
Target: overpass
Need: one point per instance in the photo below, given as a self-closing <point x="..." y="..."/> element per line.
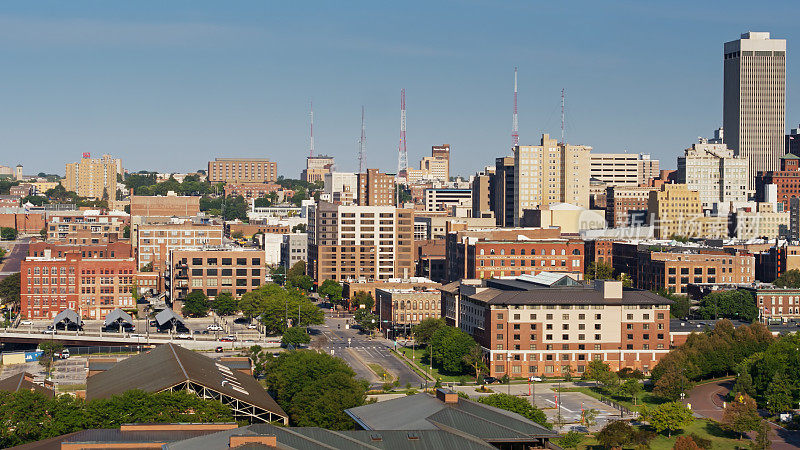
<point x="83" y="339"/>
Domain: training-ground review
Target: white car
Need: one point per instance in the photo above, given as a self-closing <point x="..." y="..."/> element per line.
<point x="184" y="336"/>
<point x="214" y="327"/>
<point x="49" y="331"/>
<point x="252" y="326"/>
<point x="26" y="322"/>
<point x="536" y="379"/>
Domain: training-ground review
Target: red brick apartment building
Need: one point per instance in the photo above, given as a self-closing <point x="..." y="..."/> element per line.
<point x="786" y="180"/>
<point x="251" y="190"/>
<point x="510" y="252"/>
<point x="113" y="250"/>
<point x="92" y="287"/>
<point x="24" y="223"/>
<point x="164" y="205"/>
<point x="538" y="330"/>
<point x="242" y="170"/>
<point x="213" y="271"/>
<point x="675" y="270"/>
<point x="776" y="303"/>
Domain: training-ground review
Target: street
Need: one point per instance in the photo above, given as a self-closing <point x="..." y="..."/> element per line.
<point x="13" y="260"/>
<point x="358" y="350"/>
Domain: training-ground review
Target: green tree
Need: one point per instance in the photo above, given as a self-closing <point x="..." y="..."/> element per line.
<point x="315" y="388"/>
<point x="423" y="332"/>
<point x="126" y="232"/>
<point x="476" y="361"/>
<point x="625" y="279"/>
<point x="295" y="336"/>
<point x="449" y="347"/>
<point x="685" y="443"/>
<point x="762" y="440"/>
<point x="195" y="304"/>
<point x="570" y="440"/>
<point x="297" y="270"/>
<point x="363" y="299"/>
<point x="259" y="358"/>
<point x="516" y="405"/>
<point x="671" y="385"/>
<point x="299" y="228"/>
<point x="8" y="233"/>
<point x="738" y="304"/>
<point x="589" y="417"/>
<point x="741" y="415"/>
<point x="224" y="304"/>
<point x="235" y="207"/>
<point x="365" y="319"/>
<point x="274" y="305"/>
<point x="744" y="383"/>
<point x="49" y="349"/>
<point x="9" y="290"/>
<point x="779" y="394"/>
<point x="599" y="270"/>
<point x="332" y="290"/>
<point x="278" y="275"/>
<point x="615" y="434"/>
<point x="632" y="388"/>
<point x="600" y="372"/>
<point x="667" y="417"/>
<point x="790" y="278"/>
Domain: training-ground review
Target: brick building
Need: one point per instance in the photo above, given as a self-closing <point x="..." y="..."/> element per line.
<point x="360" y="242"/>
<point x="400" y="309"/>
<point x="92" y="287"/>
<point x="23" y="222"/>
<point x="213" y="271"/>
<point x="527" y="329"/>
<point x="165" y="205"/>
<point x="249" y="229"/>
<point x="775" y="303"/>
<point x="674" y="270"/>
<point x="252" y="190"/>
<point x="242" y="170"/>
<point x="511" y="252"/>
<point x="86" y="228"/>
<point x="112" y="250"/>
<point x="349" y="288"/>
<point x="786" y="181"/>
<point x="622" y="201"/>
<point x="155" y="241"/>
<point x="9" y="201"/>
<point x="376" y="188"/>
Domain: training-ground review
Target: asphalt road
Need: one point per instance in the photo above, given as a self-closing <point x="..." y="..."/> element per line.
<point x="358" y="350"/>
<point x="13" y="260"/>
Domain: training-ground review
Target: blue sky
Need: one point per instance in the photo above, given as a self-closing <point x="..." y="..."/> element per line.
<point x="166" y="85"/>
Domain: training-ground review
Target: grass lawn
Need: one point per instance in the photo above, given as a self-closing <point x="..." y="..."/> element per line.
<point x="643" y="398"/>
<point x="62" y="388"/>
<point x="381" y="372"/>
<point x="421" y="363"/>
<point x="707" y="429"/>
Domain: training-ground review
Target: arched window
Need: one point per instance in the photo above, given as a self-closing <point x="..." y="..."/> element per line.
<point x="491" y="251"/>
<point x="427" y="305"/>
<point x="576" y="252"/>
<point x="415" y="305"/>
<point x="522" y="252"/>
<point x="502" y="251"/>
<point x="563" y="252"/>
<point x="553" y="252"/>
<point x="512" y="251"/>
<point x="543" y="252"/>
<point x="482" y="252"/>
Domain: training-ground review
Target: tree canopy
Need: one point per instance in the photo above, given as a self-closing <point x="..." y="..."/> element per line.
<point x="9" y="289"/>
<point x="450" y="346"/>
<point x="669" y="417"/>
<point x="195" y="304"/>
<point x="295" y="336"/>
<point x="274" y="305"/>
<point x="423" y="331"/>
<point x="517" y="405"/>
<point x="790" y="278"/>
<point x="599" y="270"/>
<point x="738" y="304"/>
<point x="31" y="416"/>
<point x="315" y="388"/>
<point x="332" y="290"/>
<point x="224" y="304"/>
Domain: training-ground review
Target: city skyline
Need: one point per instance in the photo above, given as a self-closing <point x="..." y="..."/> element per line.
<point x="171" y="88"/>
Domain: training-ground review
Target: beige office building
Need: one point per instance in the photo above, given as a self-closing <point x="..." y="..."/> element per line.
<point x="716" y="174"/>
<point x="551" y="172"/>
<point x="96" y="178"/>
<point x="316" y="168"/>
<point x="360" y="242"/>
<point x="622" y="169"/>
<point x="754" y="100"/>
<point x="242" y="170"/>
<point x="675" y="211"/>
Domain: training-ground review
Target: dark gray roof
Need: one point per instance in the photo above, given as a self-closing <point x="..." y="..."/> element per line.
<point x="67" y="315"/>
<point x="320" y="438"/>
<point x="18" y="382"/>
<point x="169" y="365"/>
<point x="166" y="315"/>
<point x="118" y="315"/>
<point x="424" y="411"/>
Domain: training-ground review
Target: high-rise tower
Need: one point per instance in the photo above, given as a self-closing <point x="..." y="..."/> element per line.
<point x="754" y="104"/>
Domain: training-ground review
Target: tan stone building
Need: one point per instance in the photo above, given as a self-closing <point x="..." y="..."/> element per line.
<point x="165" y="205"/>
<point x="95" y="178"/>
<point x="400" y="309"/>
<point x="623" y="169"/>
<point x="673" y="209"/>
<point x="551" y="172"/>
<point x="242" y="170"/>
<point x="316" y="168"/>
<point x="360" y="242"/>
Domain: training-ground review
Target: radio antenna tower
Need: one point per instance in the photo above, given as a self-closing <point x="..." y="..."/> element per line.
<point x="562" y="116"/>
<point x="311" y="148"/>
<point x="514" y="121"/>
<point x="402" y="160"/>
<point x="362" y="146"/>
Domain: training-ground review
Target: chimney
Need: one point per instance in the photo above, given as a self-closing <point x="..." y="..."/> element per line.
<point x="446" y="395"/>
<point x="270" y="441"/>
<point x="610" y="289"/>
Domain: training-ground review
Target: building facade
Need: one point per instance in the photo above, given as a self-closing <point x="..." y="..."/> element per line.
<point x="165" y="205"/>
<point x="719" y="177"/>
<point x="786" y="181"/>
<point x="94" y="178"/>
<point x="675" y="270"/>
<point x="376" y="188"/>
<point x="442" y="199"/>
<point x="623" y="169"/>
<point x="213" y="271"/>
<point x="156" y="241"/>
<point x="754" y="99"/>
<point x="360" y="242"/>
<point x="400" y="309"/>
<point x="551" y="172"/>
<point x="294" y="248"/>
<point x="82" y="228"/>
<point x="316" y="168"/>
<point x="627" y="205"/>
<point x="775" y="304"/>
<point x="242" y="170"/>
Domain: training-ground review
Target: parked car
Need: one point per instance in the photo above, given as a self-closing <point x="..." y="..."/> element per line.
<point x="26" y="322"/>
<point x="184" y="336"/>
<point x="252" y="326"/>
<point x="63" y="354"/>
<point x="218" y="349"/>
<point x="536" y="379"/>
<point x="490" y="380"/>
<point x="214" y="327"/>
<point x="50" y="330"/>
<point x="228" y="339"/>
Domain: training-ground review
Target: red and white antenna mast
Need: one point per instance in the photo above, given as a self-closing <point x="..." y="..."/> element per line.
<point x="311" y="148"/>
<point x="514" y="120"/>
<point x="362" y="146"/>
<point x="402" y="161"/>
